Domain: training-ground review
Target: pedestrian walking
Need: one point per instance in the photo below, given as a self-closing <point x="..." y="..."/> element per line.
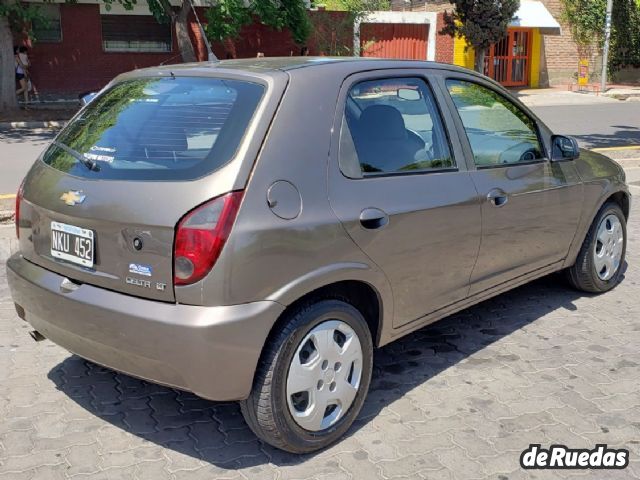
<point x="22" y="72"/>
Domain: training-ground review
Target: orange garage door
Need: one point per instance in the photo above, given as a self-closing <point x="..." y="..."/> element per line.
<point x="394" y="40"/>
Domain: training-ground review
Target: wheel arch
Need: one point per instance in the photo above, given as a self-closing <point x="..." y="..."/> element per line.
<point x="619" y="197"/>
<point x="361" y="294"/>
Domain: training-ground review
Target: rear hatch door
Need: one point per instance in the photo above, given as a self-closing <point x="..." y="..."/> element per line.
<point x="101" y="205"/>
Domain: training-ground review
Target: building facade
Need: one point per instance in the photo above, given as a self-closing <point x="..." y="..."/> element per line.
<point x="538" y="51"/>
<point x="85" y="45"/>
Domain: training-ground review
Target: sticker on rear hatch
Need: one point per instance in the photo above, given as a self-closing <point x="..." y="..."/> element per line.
<point x="140" y="269"/>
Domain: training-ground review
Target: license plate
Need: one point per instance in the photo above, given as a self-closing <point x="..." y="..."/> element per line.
<point x="71" y="243"/>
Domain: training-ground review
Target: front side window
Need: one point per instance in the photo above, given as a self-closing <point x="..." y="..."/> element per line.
<point x="170" y="128"/>
<point x="499" y="132"/>
<point x="392" y="125"/>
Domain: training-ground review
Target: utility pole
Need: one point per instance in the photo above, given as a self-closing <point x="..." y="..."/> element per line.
<point x="605" y="50"/>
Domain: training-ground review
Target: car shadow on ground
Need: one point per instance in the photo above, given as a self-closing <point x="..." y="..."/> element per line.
<point x="216" y="432"/>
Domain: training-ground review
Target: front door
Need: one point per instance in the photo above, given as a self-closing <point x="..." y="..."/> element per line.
<point x="530" y="206"/>
<point x="398" y="188"/>
<point x="508" y="61"/>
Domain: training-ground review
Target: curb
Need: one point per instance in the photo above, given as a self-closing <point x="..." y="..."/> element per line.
<point x="41" y="124"/>
<point x="631" y="97"/>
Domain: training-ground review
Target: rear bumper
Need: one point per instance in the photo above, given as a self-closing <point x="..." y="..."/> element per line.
<point x="211" y="351"/>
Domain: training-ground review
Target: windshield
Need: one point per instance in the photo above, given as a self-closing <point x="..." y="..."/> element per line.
<point x="174" y="128"/>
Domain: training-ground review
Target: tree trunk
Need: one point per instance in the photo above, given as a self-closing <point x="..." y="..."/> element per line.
<point x="479" y="61"/>
<point x="230" y="48"/>
<point x="8" y="99"/>
<point x="182" y="33"/>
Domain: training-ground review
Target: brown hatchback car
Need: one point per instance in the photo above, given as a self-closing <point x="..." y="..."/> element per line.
<point x="252" y="230"/>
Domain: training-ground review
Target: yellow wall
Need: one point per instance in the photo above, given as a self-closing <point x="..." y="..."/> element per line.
<point x="536" y="52"/>
<point x="463" y="56"/>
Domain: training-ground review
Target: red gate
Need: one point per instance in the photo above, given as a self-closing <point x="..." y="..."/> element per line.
<point x="394" y="40"/>
<point x="509" y="60"/>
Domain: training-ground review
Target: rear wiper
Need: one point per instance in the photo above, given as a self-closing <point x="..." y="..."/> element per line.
<point x="87" y="162"/>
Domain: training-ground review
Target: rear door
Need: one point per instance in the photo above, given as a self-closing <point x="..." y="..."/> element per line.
<point x="401" y="191"/>
<point x="102" y="204"/>
<point x="530" y="205"/>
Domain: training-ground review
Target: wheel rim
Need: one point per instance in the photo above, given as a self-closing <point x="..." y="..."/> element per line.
<point x="607" y="253"/>
<point x="324" y="375"/>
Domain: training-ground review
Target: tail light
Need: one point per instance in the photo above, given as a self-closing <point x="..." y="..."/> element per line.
<point x="200" y="236"/>
<point x="19" y="196"/>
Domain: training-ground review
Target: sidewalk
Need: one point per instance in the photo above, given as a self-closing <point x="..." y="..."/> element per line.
<point x="624" y="92"/>
<point x="39" y="115"/>
<point x="540" y="97"/>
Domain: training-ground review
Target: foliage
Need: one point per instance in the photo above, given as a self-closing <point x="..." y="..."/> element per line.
<point x="586" y="20"/>
<point x="103" y="112"/>
<point x="481" y="22"/>
<point x="225" y="18"/>
<point x="23" y="16"/>
<point x="625" y="41"/>
<point x="357" y="8"/>
<point x="332" y="34"/>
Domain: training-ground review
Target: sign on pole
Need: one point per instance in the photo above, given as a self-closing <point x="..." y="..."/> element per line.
<point x="583" y="72"/>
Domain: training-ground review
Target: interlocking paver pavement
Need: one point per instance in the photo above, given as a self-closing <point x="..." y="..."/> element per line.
<point x="460" y="399"/>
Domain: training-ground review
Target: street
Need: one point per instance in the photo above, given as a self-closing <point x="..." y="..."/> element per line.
<point x="595" y="125"/>
<point x="460" y="399"/>
<point x="18" y="150"/>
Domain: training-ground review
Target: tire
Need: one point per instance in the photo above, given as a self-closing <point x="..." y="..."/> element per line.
<point x="269" y="409"/>
<point x="585" y="274"/>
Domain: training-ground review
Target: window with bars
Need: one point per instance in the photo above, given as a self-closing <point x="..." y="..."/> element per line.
<point x="49" y="28"/>
<point x="135" y="33"/>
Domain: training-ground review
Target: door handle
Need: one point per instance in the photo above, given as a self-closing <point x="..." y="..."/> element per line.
<point x="373" y="218"/>
<point x="497" y="197"/>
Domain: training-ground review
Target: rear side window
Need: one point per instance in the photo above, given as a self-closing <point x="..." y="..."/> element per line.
<point x="176" y="128"/>
<point x="392" y="125"/>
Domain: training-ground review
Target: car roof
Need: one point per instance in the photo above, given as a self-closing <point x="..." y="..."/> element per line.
<point x="265" y="65"/>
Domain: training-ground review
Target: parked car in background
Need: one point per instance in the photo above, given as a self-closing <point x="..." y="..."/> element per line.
<point x="251" y="230"/>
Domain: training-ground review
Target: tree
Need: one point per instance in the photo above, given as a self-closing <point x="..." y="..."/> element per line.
<point x="14" y="15"/>
<point x="625" y="42"/>
<point x="20" y="17"/>
<point x="164" y="11"/>
<point x="481" y="22"/>
<point x="333" y="34"/>
<point x="225" y="18"/>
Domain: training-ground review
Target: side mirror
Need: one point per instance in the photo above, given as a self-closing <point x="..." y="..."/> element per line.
<point x="87" y="97"/>
<point x="564" y="148"/>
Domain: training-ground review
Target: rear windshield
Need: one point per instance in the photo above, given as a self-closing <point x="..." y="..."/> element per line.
<point x="174" y="128"/>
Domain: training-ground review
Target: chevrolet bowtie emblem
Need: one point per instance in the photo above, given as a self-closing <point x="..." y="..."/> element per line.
<point x="72" y="197"/>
